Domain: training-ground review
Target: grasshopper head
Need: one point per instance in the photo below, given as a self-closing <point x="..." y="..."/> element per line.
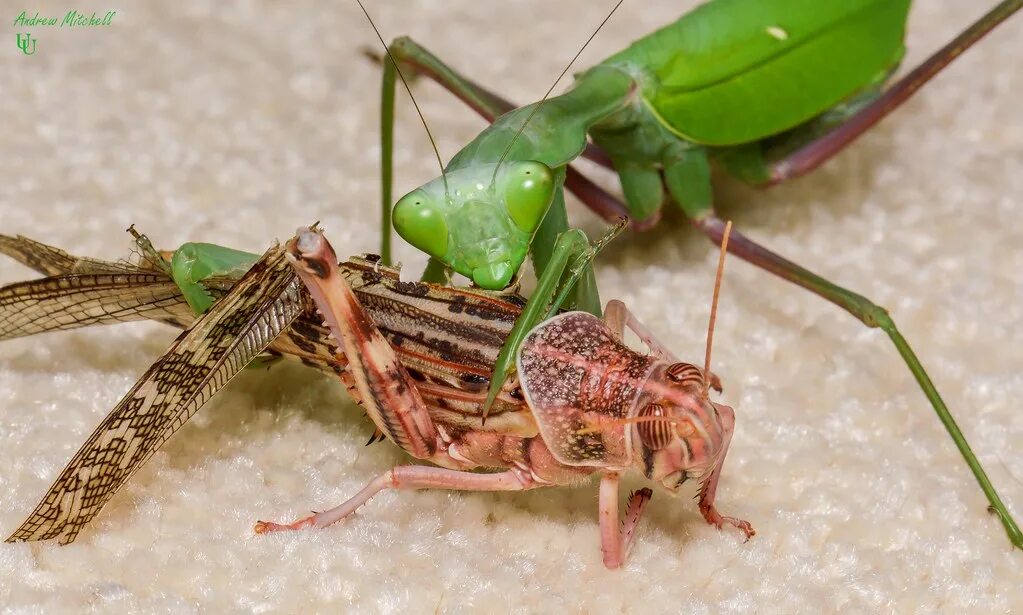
<point x="477" y="223"/>
<point x="678" y="432"/>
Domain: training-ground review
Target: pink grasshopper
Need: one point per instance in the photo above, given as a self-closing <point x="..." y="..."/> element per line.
<point x="599" y="407"/>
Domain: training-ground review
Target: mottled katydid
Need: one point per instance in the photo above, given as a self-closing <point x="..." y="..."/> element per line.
<point x="767" y="91"/>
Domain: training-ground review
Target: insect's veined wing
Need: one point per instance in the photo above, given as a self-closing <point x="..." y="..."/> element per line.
<point x="82" y="291"/>
<point x="198" y="364"/>
<point x="70" y="301"/>
<point x="45" y="259"/>
<point x="51" y="261"/>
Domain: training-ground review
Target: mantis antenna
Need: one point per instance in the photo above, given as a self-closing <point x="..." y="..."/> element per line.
<point x="401" y="76"/>
<point x="543" y="100"/>
<point x="714" y="307"/>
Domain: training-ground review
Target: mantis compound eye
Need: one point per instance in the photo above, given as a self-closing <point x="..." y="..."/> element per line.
<point x="655" y="434"/>
<point x="528" y="189"/>
<point x="421" y="223"/>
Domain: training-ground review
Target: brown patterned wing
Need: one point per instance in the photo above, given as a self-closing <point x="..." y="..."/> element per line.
<point x="52" y="261"/>
<point x="45" y="259"/>
<point x="69" y="301"/>
<point x="198" y="364"/>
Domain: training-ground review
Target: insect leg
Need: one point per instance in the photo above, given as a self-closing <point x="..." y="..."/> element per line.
<point x="417" y="60"/>
<point x="873" y="316"/>
<point x="572" y="253"/>
<point x="618" y="317"/>
<point x="388" y="394"/>
<point x="818" y="151"/>
<point x="615" y="537"/>
<point x="406" y="477"/>
<point x="708" y="491"/>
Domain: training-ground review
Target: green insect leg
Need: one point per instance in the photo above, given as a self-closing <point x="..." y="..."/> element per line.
<point x="149" y="253"/>
<point x="414" y="59"/>
<point x="568" y="267"/>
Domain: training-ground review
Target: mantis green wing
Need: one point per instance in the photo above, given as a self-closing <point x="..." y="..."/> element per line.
<point x="203" y="359"/>
<point x="733" y="71"/>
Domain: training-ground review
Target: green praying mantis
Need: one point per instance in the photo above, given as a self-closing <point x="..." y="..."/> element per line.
<point x="766" y="91"/>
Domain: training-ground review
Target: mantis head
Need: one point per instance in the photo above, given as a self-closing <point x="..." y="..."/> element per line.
<point x="478" y="222"/>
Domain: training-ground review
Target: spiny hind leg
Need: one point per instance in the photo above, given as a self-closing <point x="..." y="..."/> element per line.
<point x="407" y="477"/>
<point x="386" y="391"/>
<point x="870" y="315"/>
<point x="414" y="59"/>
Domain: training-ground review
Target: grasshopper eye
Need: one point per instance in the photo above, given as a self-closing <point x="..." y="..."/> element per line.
<point x="655" y="434"/>
<point x="421" y="223"/>
<point x="686" y="374"/>
<point x="528" y="188"/>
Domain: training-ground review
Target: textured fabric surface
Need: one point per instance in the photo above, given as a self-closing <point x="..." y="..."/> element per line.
<point x="235" y="125"/>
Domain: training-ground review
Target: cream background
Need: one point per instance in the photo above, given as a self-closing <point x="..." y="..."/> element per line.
<point x="235" y="125"/>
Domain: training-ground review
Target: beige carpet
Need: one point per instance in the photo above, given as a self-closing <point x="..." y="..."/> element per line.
<point x="235" y="125"/>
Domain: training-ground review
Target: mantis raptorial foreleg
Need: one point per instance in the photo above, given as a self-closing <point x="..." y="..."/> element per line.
<point x="806" y="158"/>
<point x="573" y="254"/>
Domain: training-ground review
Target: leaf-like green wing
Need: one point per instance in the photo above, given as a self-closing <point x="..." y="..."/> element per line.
<point x="198" y="364"/>
<point x="735" y="71"/>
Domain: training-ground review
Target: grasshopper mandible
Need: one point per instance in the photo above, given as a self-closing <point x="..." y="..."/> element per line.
<point x="599" y="407"/>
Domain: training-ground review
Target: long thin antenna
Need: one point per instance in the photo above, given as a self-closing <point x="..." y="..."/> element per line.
<point x="401" y="76"/>
<point x="543" y="100"/>
<point x="714" y="307"/>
